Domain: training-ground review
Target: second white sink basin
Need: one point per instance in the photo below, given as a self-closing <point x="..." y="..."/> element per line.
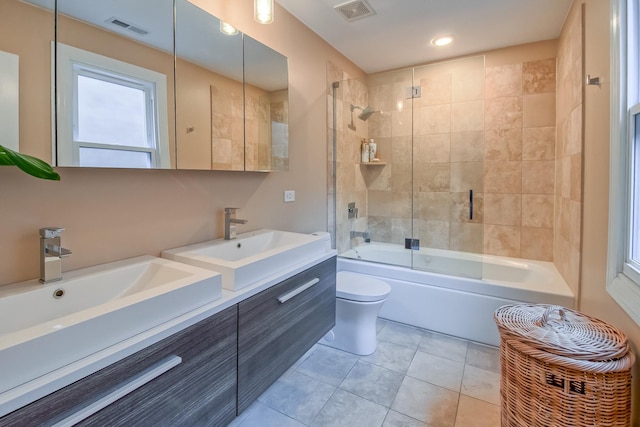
<point x="51" y="325"/>
<point x="252" y="256"/>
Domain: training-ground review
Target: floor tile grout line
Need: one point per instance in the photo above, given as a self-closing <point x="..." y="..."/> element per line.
<point x="366" y="398"/>
<point x="414" y="352"/>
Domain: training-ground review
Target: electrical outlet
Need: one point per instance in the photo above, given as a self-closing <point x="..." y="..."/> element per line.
<point x="289" y="196"/>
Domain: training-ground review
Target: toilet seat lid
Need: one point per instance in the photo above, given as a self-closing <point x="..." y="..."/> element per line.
<point x="358" y="287"/>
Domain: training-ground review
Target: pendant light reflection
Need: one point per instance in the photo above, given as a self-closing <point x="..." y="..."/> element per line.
<point x="228" y="29"/>
<point x="263" y="11"/>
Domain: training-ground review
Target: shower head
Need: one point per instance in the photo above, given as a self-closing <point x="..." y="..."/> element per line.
<point x="366" y="111"/>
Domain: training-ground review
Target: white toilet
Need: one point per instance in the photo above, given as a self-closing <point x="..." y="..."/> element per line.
<point x="359" y="299"/>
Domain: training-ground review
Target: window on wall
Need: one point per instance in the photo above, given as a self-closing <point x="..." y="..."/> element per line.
<point x="109" y="112"/>
<point x="623" y="281"/>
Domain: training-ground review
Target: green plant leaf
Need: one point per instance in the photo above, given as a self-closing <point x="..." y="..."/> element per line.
<point x="29" y="164"/>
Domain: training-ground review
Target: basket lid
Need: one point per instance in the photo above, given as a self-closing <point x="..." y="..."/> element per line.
<point x="561" y="331"/>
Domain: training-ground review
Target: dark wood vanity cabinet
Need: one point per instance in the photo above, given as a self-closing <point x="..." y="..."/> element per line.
<point x="222" y="363"/>
<point x="201" y="390"/>
<point x="278" y="325"/>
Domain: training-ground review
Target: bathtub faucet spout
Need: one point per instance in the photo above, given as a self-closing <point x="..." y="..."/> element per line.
<point x="363" y="234"/>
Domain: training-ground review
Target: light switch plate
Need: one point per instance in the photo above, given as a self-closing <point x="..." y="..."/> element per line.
<point x="289" y="196"/>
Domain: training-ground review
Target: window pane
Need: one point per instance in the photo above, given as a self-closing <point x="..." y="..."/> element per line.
<point x="105" y="158"/>
<point x="111" y="113"/>
<point x="635" y="190"/>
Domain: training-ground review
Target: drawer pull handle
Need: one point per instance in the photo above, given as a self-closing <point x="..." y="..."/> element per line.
<point x="286" y="297"/>
<point x="120" y="391"/>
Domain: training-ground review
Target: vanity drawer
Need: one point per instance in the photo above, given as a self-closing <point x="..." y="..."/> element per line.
<point x="277" y="326"/>
<point x="199" y="390"/>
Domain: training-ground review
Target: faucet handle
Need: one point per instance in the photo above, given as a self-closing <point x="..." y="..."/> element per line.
<point x="230" y="210"/>
<point x="50" y="232"/>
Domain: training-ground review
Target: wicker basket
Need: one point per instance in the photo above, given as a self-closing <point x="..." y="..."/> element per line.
<point x="562" y="368"/>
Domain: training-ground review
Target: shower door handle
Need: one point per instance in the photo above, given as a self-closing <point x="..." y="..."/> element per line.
<point x="470" y="204"/>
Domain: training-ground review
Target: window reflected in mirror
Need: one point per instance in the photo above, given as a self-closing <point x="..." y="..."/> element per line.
<point x="115" y="84"/>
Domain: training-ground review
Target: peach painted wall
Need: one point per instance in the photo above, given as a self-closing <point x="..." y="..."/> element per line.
<point x="593" y="297"/>
<point x="30" y="38"/>
<point x="111" y="214"/>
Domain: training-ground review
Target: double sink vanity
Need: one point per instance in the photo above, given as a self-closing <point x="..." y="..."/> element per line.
<point x="191" y="338"/>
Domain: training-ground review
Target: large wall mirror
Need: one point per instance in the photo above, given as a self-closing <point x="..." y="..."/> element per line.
<point x="139" y="84"/>
<point x="26" y="35"/>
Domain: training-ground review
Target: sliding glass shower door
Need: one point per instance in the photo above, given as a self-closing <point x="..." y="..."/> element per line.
<point x="416" y="199"/>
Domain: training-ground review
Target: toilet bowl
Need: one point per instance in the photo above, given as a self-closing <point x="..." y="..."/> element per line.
<point x="359" y="299"/>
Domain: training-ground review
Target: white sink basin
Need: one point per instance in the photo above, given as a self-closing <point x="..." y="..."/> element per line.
<point x="48" y="326"/>
<point x="252" y="256"/>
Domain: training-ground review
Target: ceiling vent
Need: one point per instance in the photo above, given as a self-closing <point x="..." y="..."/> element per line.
<point x="126" y="25"/>
<point x="355" y="9"/>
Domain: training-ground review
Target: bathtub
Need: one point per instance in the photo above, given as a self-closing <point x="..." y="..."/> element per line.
<point x="461" y="305"/>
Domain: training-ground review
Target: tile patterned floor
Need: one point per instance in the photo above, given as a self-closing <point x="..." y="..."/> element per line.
<point x="415" y="378"/>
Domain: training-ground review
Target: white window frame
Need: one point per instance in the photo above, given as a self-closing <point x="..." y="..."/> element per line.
<point x="623" y="277"/>
<point x="72" y="62"/>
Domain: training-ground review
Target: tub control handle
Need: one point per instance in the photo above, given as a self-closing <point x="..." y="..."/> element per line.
<point x="470" y="204"/>
<point x="286" y="297"/>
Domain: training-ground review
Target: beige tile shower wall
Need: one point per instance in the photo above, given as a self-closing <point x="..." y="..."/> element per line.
<point x="488" y="130"/>
<point x="568" y="164"/>
<point x="519" y="159"/>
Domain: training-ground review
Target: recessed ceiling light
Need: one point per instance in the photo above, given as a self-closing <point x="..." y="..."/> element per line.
<point x="442" y="41"/>
<point x="228" y="29"/>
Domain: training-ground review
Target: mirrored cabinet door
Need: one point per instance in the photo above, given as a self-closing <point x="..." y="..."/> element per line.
<point x="209" y="91"/>
<point x="115" y="84"/>
<point x="266" y="108"/>
<point x="26" y="101"/>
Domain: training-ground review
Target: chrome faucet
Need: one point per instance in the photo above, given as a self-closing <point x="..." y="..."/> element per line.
<point x="51" y="254"/>
<point x="230" y="218"/>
